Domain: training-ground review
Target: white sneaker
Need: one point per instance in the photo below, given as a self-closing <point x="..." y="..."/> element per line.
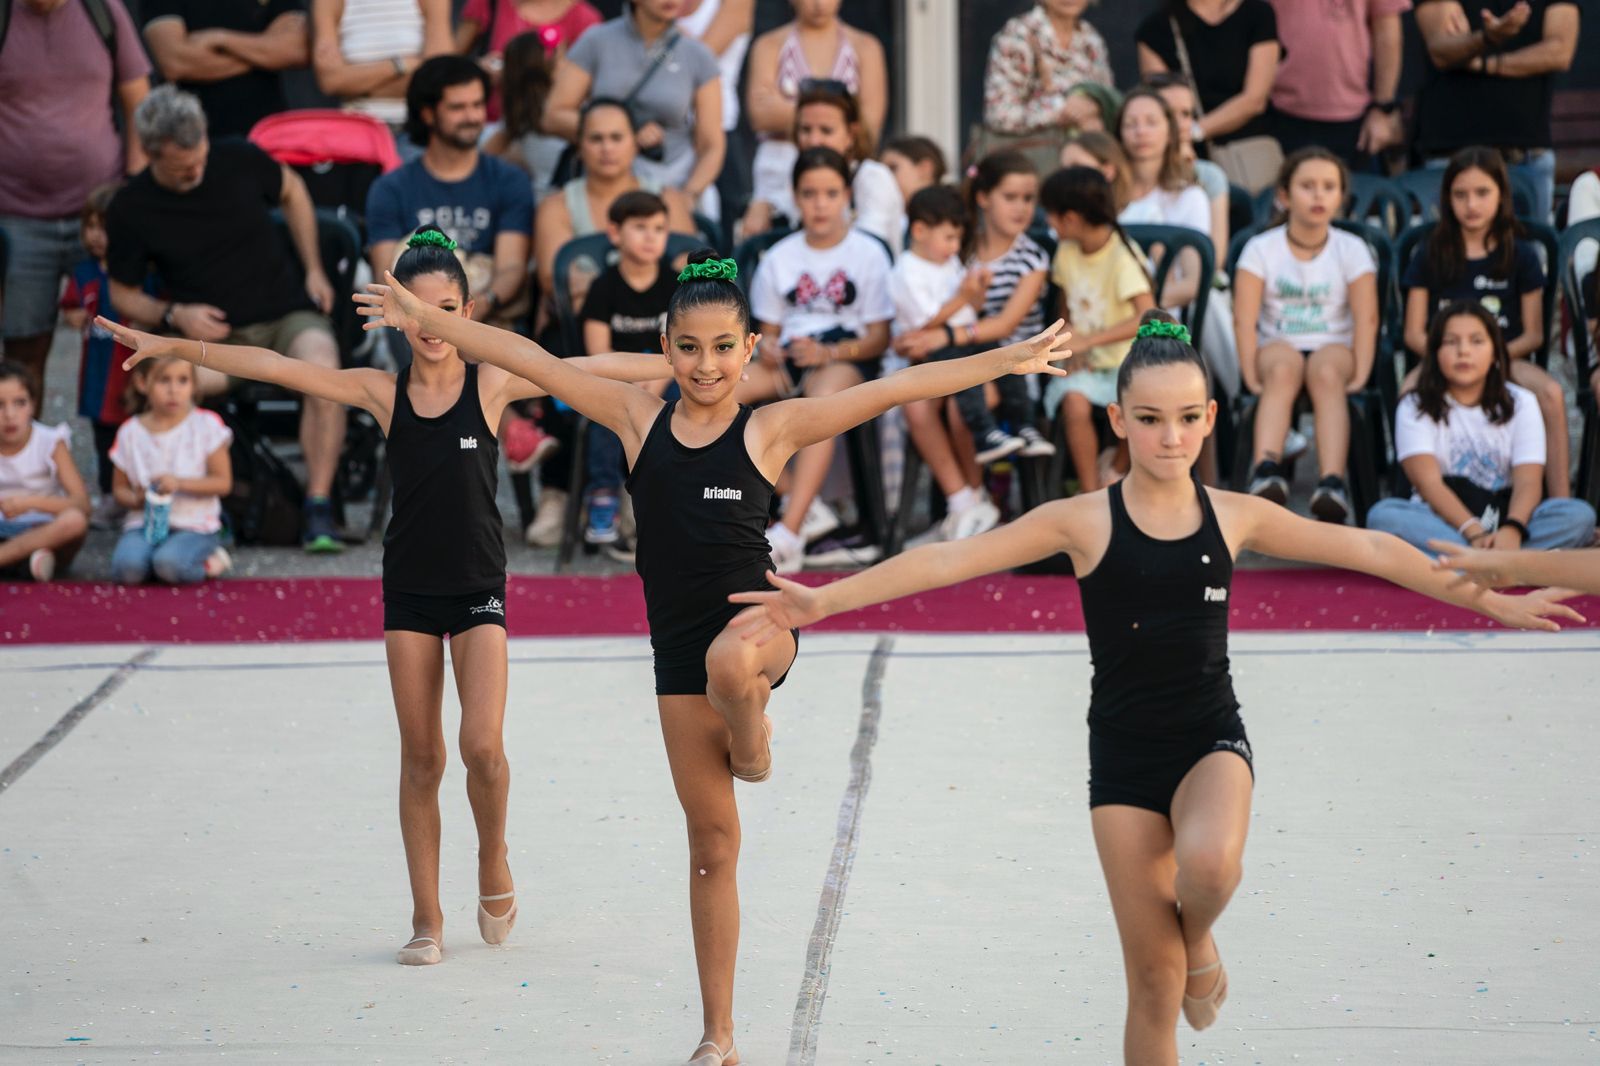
<point x="820" y="520"/>
<point x="545" y="529"/>
<point x="42" y="565"/>
<point x="1295" y="444"/>
<point x="1035" y="446"/>
<point x="788" y="550"/>
<point x="970" y="521"/>
<point x="218" y="563"/>
<point x="844" y="555"/>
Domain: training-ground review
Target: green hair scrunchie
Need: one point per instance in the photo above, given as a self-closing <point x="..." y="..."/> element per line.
<point x="1158" y="328"/>
<point x="431" y="237"/>
<point x="710" y="270"/>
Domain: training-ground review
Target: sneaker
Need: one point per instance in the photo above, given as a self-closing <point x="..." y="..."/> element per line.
<point x="602" y="527"/>
<point x="526" y="445"/>
<point x="820" y="520"/>
<point x="42" y="565"/>
<point x="545" y="529"/>
<point x="218" y="563"/>
<point x="851" y="551"/>
<point x="320" y="537"/>
<point x="1294" y="445"/>
<point x="1269" y="483"/>
<point x="1331" y="500"/>
<point x="788" y="549"/>
<point x="970" y="521"/>
<point x="1034" y="444"/>
<point x="997" y="444"/>
<point x="107" y="514"/>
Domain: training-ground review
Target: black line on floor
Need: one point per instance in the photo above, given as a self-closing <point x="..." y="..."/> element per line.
<point x="830" y="907"/>
<point x="69" y="721"/>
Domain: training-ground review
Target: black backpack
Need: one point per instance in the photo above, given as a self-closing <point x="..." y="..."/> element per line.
<point x="266" y="502"/>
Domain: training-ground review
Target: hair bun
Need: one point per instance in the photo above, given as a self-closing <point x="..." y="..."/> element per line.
<point x="431" y="236"/>
<point x="704" y="265"/>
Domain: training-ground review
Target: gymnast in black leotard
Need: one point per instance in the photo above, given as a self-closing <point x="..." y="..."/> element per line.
<point x="702" y="472"/>
<point x="1170" y="768"/>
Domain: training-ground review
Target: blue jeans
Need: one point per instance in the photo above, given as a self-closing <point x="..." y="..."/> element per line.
<point x="603" y="459"/>
<point x="178" y="560"/>
<point x="1557" y="523"/>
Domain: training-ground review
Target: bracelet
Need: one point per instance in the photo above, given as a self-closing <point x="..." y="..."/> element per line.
<point x="949" y="335"/>
<point x="202" y="353"/>
<point x="1462" y="528"/>
<point x="1516" y="524"/>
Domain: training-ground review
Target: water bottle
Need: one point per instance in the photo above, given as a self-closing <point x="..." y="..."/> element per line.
<point x="157" y="509"/>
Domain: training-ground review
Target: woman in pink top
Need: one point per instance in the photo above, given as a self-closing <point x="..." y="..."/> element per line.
<point x="557" y="22"/>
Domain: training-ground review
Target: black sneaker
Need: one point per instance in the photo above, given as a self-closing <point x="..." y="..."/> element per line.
<point x="996" y="445"/>
<point x="1269" y="483"/>
<point x="1331" y="500"/>
<point x="1034" y="445"/>
<point x="320" y="537"/>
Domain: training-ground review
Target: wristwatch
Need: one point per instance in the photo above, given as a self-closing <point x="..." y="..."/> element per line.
<point x="166" y="316"/>
<point x="1388" y="107"/>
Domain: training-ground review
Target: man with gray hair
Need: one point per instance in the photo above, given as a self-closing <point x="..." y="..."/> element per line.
<point x="64" y="66"/>
<point x="200" y="214"/>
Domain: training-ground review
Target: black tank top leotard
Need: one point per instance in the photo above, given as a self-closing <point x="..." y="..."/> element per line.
<point x="445" y="536"/>
<point x="1156" y="612"/>
<point x="702" y="517"/>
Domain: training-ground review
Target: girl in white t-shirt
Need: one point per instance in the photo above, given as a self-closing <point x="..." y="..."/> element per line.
<point x="44" y="507"/>
<point x="821" y="301"/>
<point x="1305" y="313"/>
<point x="172" y="470"/>
<point x="1473" y="445"/>
<point x="827" y="116"/>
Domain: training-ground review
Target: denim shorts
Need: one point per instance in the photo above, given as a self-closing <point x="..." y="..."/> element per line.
<point x="39" y="253"/>
<point x="13" y="528"/>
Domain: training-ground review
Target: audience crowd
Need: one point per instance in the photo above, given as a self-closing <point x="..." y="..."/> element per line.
<point x="1381" y="273"/>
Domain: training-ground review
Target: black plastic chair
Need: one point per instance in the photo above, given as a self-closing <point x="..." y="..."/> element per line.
<point x="714" y="234"/>
<point x="1581" y="310"/>
<point x="1371" y="196"/>
<point x="1421" y="189"/>
<point x="1369" y="409"/>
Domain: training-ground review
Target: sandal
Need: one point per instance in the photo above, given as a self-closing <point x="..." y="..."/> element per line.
<point x="1202" y="1010"/>
<point x="756" y="777"/>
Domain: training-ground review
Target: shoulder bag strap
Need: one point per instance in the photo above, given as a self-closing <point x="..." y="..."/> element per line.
<point x="661" y="55"/>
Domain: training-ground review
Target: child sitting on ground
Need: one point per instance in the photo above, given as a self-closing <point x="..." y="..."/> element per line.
<point x="172" y="469"/>
<point x="44" y="508"/>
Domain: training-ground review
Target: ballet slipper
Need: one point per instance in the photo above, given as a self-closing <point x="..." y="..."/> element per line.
<point x="420" y="951"/>
<point x="715" y="1057"/>
<point x="496" y="927"/>
<point x="758" y="776"/>
<point x="1202" y="1010"/>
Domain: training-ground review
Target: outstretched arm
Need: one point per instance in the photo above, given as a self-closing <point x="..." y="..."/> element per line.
<point x="621" y="408"/>
<point x="371" y="390"/>
<point x="1493" y="568"/>
<point x="1272" y="530"/>
<point x="796" y="423"/>
<point x="1041" y="532"/>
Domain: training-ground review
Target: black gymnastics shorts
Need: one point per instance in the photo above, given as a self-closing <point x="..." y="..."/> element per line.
<point x="455" y="613"/>
<point x="682" y="670"/>
<point x="1145" y="771"/>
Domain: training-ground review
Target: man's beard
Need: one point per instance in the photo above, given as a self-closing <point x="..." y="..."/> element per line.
<point x="462" y="137"/>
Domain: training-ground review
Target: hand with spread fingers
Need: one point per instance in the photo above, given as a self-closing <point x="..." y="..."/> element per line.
<point x="791" y="606"/>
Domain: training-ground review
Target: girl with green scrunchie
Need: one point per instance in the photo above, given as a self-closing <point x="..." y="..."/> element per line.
<point x="702" y="471"/>
<point x="1170" y="765"/>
